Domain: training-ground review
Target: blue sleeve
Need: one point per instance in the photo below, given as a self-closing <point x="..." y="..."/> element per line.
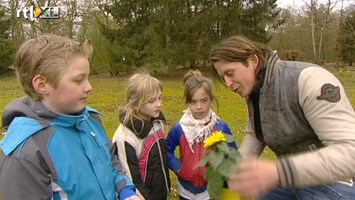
<point x="127" y="191"/>
<point x="124" y="185"/>
<point x="172" y="141"/>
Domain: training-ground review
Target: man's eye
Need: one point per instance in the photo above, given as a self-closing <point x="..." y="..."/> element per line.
<point x="230" y="73"/>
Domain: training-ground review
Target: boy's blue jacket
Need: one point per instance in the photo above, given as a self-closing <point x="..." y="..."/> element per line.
<point x="51" y="156"/>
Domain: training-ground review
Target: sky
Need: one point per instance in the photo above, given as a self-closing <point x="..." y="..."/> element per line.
<point x="286" y="3"/>
<point x="299" y="3"/>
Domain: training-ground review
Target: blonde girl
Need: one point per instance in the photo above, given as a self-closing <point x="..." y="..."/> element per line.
<point x="140" y="137"/>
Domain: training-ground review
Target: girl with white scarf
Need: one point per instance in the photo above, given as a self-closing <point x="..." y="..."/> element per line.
<point x="198" y="122"/>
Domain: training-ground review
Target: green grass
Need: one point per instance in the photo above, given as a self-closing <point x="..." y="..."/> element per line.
<point x="108" y="95"/>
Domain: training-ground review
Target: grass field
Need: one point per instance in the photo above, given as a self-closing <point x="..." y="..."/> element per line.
<point x="108" y="95"/>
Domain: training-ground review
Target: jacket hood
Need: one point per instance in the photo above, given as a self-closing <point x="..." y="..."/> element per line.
<point x="24" y="117"/>
<point x="25" y="107"/>
<point x="25" y="121"/>
<point x="138" y="126"/>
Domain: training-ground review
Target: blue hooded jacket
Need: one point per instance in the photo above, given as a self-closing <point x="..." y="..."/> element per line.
<point x="48" y="155"/>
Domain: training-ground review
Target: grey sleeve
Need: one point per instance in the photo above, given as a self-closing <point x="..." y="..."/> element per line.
<point x="333" y="121"/>
<point x="114" y="157"/>
<point x="21" y="179"/>
<point x="251" y="147"/>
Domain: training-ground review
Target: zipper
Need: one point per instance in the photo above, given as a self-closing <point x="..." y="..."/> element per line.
<point x="161" y="159"/>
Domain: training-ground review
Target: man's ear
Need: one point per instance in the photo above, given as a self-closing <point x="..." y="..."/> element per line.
<point x="254" y="61"/>
<point x="40" y="84"/>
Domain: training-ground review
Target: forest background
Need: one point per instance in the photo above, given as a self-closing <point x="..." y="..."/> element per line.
<point x="167" y="38"/>
<point x="166" y="35"/>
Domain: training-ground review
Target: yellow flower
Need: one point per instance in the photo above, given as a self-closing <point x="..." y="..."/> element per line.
<point x="216" y="137"/>
<point x="218" y="160"/>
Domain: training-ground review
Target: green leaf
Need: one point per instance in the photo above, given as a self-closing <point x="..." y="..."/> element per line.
<point x="226" y="167"/>
<point x="216" y="158"/>
<point x="234" y="155"/>
<point x="223" y="146"/>
<point x="204" y="161"/>
<point x="215" y="182"/>
<point x="230" y="138"/>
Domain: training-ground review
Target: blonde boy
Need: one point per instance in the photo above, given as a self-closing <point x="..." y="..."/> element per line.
<point x="56" y="146"/>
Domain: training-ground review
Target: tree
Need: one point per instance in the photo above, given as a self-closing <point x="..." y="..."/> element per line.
<point x="320" y="18"/>
<point x="293" y="39"/>
<point x="257" y="16"/>
<point x="6" y="49"/>
<point x="180" y="33"/>
<point x="347" y="36"/>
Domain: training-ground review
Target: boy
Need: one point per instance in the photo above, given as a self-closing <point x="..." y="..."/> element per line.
<point x="56" y="146"/>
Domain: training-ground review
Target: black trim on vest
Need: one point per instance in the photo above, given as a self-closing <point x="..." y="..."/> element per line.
<point x="255" y="97"/>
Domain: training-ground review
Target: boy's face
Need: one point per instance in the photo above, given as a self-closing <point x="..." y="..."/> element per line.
<point x="73" y="88"/>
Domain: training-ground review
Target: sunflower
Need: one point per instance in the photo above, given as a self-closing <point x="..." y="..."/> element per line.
<point x="218" y="160"/>
<point x="216" y="137"/>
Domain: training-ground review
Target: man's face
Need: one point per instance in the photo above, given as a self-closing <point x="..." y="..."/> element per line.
<point x="238" y="77"/>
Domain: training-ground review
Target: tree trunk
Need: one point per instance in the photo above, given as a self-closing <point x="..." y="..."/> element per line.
<point x="313" y="29"/>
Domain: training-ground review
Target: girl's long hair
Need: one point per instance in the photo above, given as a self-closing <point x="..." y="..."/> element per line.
<point x="141" y="88"/>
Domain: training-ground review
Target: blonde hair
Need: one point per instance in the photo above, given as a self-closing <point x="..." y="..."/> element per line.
<point x="141" y="88"/>
<point x="46" y="55"/>
<point x="194" y="80"/>
<point x="239" y="49"/>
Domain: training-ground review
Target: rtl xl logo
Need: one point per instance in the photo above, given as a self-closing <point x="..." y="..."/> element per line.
<point x="39" y="12"/>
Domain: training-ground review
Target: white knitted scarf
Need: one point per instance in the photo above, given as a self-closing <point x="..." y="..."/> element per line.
<point x="197" y="130"/>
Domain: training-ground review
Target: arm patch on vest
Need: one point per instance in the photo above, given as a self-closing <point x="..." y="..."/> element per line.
<point x="330" y="93"/>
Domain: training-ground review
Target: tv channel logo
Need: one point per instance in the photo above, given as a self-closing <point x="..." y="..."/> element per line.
<point x="39" y="12"/>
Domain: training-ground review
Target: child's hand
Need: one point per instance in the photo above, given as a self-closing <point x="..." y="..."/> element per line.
<point x="134" y="197"/>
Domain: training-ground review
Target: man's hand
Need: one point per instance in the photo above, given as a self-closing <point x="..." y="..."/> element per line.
<point x="254" y="177"/>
